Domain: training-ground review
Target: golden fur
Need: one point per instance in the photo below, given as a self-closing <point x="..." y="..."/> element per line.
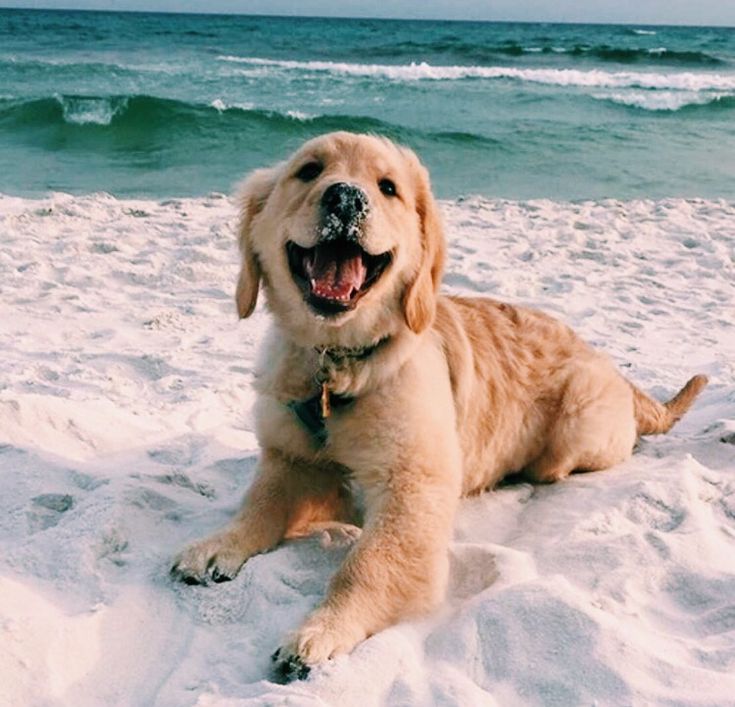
<point x="460" y="393"/>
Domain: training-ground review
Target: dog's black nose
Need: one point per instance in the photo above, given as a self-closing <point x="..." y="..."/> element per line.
<point x="345" y="201"/>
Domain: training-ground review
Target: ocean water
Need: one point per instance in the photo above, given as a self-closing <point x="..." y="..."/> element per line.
<point x="155" y="105"/>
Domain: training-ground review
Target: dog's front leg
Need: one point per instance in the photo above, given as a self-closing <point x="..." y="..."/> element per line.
<point x="397" y="570"/>
<point x="284" y="491"/>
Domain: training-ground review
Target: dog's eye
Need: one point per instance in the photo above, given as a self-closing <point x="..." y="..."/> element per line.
<point x="311" y="170"/>
<point x="388" y="187"/>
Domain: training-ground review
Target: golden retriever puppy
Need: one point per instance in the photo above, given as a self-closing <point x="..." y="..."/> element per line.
<point x="371" y="380"/>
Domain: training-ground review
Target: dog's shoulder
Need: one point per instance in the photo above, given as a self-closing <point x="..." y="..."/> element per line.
<point x="477" y="322"/>
<point x="491" y="324"/>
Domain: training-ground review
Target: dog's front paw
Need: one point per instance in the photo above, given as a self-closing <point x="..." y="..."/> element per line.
<point x="288" y="667"/>
<point x="323" y="636"/>
<point x="217" y="558"/>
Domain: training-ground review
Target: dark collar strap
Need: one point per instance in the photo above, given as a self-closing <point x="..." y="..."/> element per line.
<point x="309" y="413"/>
<point x="356" y="353"/>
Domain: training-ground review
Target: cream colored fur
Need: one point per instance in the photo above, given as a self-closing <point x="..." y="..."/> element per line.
<point x="463" y="392"/>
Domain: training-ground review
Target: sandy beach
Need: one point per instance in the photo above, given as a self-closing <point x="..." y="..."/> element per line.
<point x="126" y="431"/>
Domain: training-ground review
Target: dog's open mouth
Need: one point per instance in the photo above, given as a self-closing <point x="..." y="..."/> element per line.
<point x="335" y="274"/>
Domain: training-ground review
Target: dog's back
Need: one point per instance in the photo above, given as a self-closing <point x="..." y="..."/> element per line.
<point x="518" y="374"/>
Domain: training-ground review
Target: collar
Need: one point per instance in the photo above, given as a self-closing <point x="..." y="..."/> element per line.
<point x="342" y="354"/>
<point x="313" y="412"/>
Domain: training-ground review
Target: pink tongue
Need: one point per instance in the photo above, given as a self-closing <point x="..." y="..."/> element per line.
<point x="333" y="274"/>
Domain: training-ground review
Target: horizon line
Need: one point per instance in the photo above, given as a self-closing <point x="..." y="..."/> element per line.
<point x="624" y="23"/>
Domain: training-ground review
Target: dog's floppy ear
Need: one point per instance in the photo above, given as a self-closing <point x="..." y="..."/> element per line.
<point x="252" y="195"/>
<point x="419" y="300"/>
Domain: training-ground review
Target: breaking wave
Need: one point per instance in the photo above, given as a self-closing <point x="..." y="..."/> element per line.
<point x="147" y="113"/>
<point x="120" y="120"/>
<point x="690" y="81"/>
<point x="669" y="100"/>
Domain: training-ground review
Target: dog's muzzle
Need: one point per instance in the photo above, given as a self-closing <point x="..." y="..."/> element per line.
<point x="337" y="271"/>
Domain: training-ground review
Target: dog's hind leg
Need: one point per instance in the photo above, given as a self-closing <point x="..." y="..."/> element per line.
<point x="549" y="468"/>
<point x="594" y="426"/>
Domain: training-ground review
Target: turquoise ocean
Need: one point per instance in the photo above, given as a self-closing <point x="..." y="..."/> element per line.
<point x="159" y="105"/>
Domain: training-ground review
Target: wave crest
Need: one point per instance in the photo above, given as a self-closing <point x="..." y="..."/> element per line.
<point x="89" y="110"/>
<point x="135" y="110"/>
<point x="130" y="121"/>
<point x="558" y="77"/>
<point x="669" y="101"/>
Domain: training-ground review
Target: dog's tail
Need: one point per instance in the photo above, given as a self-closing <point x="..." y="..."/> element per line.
<point x="653" y="418"/>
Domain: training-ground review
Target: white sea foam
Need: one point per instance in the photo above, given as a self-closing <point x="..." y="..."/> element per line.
<point x="84" y="110"/>
<point x="221" y="105"/>
<point x="644" y="32"/>
<point x="662" y="100"/>
<point x="300" y="115"/>
<point x="689" y="81"/>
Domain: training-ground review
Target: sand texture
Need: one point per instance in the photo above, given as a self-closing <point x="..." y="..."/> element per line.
<point x="126" y="431"/>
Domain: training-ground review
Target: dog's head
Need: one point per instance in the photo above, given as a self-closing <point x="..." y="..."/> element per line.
<point x="345" y="237"/>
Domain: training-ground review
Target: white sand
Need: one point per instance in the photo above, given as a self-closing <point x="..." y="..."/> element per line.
<point x="125" y="431"/>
